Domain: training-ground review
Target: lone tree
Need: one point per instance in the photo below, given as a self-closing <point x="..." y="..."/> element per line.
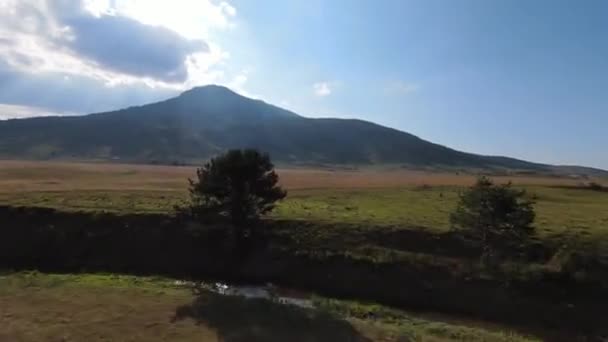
<point x="497" y="217"/>
<point x="240" y="185"/>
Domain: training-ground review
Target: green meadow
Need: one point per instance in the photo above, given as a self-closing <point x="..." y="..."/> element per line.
<point x="560" y="211"/>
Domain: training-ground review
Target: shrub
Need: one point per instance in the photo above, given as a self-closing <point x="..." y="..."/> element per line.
<point x="497" y="217"/>
<point x="596" y="187"/>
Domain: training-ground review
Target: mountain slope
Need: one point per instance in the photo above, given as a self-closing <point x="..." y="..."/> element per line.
<point x="207" y="120"/>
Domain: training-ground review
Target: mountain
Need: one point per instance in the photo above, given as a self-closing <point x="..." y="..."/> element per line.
<point x="207" y="120"/>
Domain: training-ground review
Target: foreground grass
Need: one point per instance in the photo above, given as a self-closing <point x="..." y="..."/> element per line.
<point x="50" y="307"/>
<point x="415" y="328"/>
<point x="36" y="307"/>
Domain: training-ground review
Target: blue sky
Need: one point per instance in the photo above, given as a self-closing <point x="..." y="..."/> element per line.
<point x="527" y="79"/>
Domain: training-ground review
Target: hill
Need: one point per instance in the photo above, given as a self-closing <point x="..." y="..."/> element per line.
<point x="207" y="120"/>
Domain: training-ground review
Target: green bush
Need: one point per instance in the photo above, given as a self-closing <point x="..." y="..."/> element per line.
<point x="497" y="217"/>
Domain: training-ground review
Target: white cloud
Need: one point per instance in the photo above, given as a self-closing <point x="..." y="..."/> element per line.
<point x="38" y="36"/>
<point x="192" y="19"/>
<point x="323" y="88"/>
<point x="45" y="48"/>
<point x="206" y="67"/>
<point x="16" y="111"/>
<point x="238" y="82"/>
<point x="401" y="88"/>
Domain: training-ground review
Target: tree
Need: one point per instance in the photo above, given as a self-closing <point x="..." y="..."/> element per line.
<point x="498" y="217"/>
<point x="240" y="185"/>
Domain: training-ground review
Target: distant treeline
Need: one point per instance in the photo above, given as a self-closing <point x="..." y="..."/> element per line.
<point x="50" y="240"/>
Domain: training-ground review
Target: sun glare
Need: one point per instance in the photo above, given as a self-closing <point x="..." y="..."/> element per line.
<point x="190" y="18"/>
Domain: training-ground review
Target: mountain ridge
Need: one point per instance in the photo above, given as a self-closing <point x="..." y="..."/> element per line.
<point x="204" y="121"/>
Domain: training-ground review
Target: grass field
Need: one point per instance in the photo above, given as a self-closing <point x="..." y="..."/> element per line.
<point x="47" y="307"/>
<point x="62" y="176"/>
<point x="398" y="198"/>
<point x="343" y="207"/>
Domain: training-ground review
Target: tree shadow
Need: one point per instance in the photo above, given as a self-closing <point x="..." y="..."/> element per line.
<point x="238" y="319"/>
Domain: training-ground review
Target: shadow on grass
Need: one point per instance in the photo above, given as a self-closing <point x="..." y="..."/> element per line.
<point x="448" y="244"/>
<point x="237" y="319"/>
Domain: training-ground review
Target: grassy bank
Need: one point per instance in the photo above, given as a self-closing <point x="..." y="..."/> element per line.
<point x="112" y="307"/>
<point x="419" y="270"/>
<point x="559" y="209"/>
<point x="562" y="213"/>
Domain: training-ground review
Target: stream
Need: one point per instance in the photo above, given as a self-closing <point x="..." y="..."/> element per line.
<point x="269" y="291"/>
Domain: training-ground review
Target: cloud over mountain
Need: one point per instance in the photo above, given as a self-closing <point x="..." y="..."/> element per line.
<point x="82" y="47"/>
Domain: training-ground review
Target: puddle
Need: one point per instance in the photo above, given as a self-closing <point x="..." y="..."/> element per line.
<point x="270" y="292"/>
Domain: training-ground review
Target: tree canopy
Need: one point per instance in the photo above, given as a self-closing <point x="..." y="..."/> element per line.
<point x="498" y="217"/>
<point x="241" y="185"/>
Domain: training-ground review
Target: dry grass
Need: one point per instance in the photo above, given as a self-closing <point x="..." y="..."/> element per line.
<point x="101" y="315"/>
<point x="51" y="176"/>
<point x="64" y="176"/>
<point x="95" y="314"/>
